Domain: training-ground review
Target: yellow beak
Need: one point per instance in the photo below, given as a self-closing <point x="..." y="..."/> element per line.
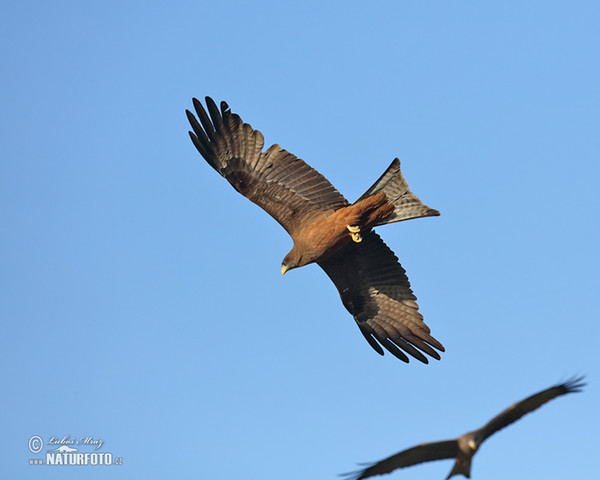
<point x="283" y="269"/>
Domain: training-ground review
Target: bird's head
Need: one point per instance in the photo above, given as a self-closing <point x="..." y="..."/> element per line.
<point x="292" y="260"/>
<point x="474" y="439"/>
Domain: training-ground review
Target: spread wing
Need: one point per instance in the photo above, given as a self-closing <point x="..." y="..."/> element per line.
<point x="516" y="411"/>
<point x="375" y="290"/>
<point x="421" y="453"/>
<point x="280" y="183"/>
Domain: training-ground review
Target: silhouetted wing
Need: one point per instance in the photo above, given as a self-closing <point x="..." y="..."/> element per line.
<point x="425" y="452"/>
<point x="283" y="185"/>
<point x="516" y="411"/>
<point x="375" y="290"/>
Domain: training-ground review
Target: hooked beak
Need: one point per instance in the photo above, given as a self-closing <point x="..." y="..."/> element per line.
<point x="283" y="269"/>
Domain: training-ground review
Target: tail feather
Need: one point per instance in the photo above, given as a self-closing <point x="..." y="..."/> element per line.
<point x="406" y="204"/>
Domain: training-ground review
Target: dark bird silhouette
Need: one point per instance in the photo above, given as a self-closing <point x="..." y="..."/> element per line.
<point x="464" y="447"/>
<point x="326" y="228"/>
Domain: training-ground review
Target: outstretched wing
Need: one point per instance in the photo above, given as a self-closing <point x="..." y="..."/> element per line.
<point x="516" y="411"/>
<point x="283" y="185"/>
<point x="375" y="290"/>
<point x="421" y="453"/>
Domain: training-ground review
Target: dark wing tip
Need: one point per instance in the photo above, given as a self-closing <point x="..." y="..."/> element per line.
<point x="207" y="125"/>
<point x="214" y="113"/>
<point x="435" y="343"/>
<point x="197" y="104"/>
<point x="348" y="475"/>
<point x="369" y="337"/>
<point x="203" y="131"/>
<point x="398" y="344"/>
<point x="192" y="119"/>
<point x="358" y="474"/>
<point x="396" y="352"/>
<point x="574" y="384"/>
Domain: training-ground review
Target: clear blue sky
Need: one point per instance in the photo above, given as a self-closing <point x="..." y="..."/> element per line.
<point x="141" y="296"/>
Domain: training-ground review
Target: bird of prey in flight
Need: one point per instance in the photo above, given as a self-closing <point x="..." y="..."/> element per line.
<point x="325" y="227"/>
<point x="464" y="447"/>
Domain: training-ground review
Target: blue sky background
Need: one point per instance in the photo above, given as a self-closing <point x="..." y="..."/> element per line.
<point x="141" y="296"/>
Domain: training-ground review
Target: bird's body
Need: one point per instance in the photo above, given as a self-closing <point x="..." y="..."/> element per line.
<point x="464" y="447"/>
<point x="467" y="445"/>
<point x="326" y="228"/>
<point x="328" y="233"/>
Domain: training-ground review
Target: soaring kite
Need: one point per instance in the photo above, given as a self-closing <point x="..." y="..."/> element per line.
<point x="464" y="447"/>
<point x="326" y="228"/>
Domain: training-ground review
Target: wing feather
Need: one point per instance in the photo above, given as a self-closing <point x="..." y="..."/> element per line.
<point x="276" y="180"/>
<point x="517" y="410"/>
<point x="375" y="289"/>
<point x="425" y="452"/>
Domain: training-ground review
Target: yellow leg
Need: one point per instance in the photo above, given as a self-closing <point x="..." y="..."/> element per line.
<point x="355" y="232"/>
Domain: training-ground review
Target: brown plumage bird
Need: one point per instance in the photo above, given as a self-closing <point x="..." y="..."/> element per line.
<point x="464" y="447"/>
<point x="326" y="228"/>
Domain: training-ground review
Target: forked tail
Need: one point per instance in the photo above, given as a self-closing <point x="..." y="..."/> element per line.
<point x="406" y="204"/>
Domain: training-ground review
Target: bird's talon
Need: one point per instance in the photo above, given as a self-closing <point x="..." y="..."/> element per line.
<point x="353" y="228"/>
<point x="356" y="237"/>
